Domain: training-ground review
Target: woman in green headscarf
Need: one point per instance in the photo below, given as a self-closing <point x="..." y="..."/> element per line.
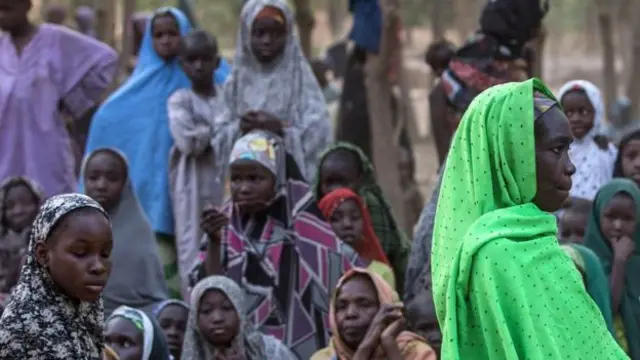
<point x="612" y="234"/>
<point x="594" y="278"/>
<point x="503" y="287"/>
<point x="345" y="165"/>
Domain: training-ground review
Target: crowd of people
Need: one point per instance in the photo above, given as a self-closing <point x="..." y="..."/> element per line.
<point x="207" y="210"/>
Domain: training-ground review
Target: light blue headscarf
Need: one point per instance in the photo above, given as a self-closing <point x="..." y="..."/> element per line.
<point x="134" y="120"/>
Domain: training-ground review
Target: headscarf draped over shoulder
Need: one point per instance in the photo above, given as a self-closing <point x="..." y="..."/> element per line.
<point x="489" y="235"/>
<point x="40" y="322"/>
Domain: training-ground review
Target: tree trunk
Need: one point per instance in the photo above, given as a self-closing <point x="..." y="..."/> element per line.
<point x="336" y="11"/>
<point x="538" y="48"/>
<point x="437" y="19"/>
<point x="386" y="152"/>
<point x="106" y="10"/>
<point x="306" y="21"/>
<point x="608" y="53"/>
<point x="633" y="87"/>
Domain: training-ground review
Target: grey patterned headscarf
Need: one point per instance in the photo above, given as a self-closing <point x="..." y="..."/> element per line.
<point x="286" y="88"/>
<point x="40" y="322"/>
<point x="196" y="347"/>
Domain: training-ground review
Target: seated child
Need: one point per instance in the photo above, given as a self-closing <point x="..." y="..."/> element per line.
<point x="350" y="220"/>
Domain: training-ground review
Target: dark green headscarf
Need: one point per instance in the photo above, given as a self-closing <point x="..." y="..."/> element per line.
<point x="595" y="240"/>
<point x="596" y="281"/>
<point x="393" y="240"/>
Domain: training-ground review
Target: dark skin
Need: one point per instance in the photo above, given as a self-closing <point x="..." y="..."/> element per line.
<point x="166" y="36"/>
<point x="77" y="254"/>
<point x="124" y="338"/>
<point x="252" y="189"/>
<point x="56" y="14"/>
<point x="15" y="21"/>
<point x="618" y="224"/>
<point x="268" y="39"/>
<point x="347" y="222"/>
<point x="219" y="323"/>
<point x="364" y="324"/>
<point x="20" y="208"/>
<point x="631" y="161"/>
<point x="573" y="225"/>
<point x="553" y="166"/>
<point x="105" y="177"/>
<point x="340" y="169"/>
<point x="199" y="59"/>
<point x="173" y="321"/>
<point x="579" y="111"/>
<point x="422" y="320"/>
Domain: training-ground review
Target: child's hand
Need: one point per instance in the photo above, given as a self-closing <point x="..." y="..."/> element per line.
<point x="269" y="122"/>
<point x="623" y="248"/>
<point x="212" y="221"/>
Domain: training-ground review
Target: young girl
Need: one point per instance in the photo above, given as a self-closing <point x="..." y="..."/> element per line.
<point x="573" y="221"/>
<point x="345" y="165"/>
<point x="422" y="320"/>
<point x="591" y="153"/>
<point x="135" y="336"/>
<point x="218" y="327"/>
<point x="273" y="88"/>
<point x="137" y="279"/>
<point x="366" y="321"/>
<point x="612" y="234"/>
<point x="134" y="120"/>
<point x="595" y="280"/>
<point x="172" y="317"/>
<point x="195" y="179"/>
<point x="270" y="231"/>
<point x="56" y="312"/>
<point x="59" y="72"/>
<point x="628" y="161"/>
<point x="350" y="220"/>
<point x="20" y="199"/>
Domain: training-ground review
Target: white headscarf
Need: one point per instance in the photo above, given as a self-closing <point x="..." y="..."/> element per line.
<point x="286" y="88"/>
<point x="594" y="166"/>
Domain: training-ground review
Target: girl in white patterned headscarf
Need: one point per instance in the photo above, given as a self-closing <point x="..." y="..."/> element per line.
<point x="246" y="343"/>
<point x="591" y="153"/>
<point x="277" y="82"/>
<point x="55" y="312"/>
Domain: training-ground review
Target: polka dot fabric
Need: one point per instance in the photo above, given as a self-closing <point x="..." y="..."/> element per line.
<point x="503" y="287"/>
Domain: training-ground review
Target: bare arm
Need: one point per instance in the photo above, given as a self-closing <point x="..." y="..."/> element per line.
<point x="617" y="283"/>
<point x="213" y="263"/>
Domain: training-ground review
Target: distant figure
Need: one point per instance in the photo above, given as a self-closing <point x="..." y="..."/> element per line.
<point x="86" y="21"/>
<point x="56" y="14"/>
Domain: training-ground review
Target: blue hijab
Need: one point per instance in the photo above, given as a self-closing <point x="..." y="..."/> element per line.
<point x="134" y="120"/>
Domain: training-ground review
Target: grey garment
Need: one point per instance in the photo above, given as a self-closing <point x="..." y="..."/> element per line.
<point x="418" y="273"/>
<point x="196" y="179"/>
<point x="286" y="88"/>
<point x="137" y="277"/>
<point x="254" y="344"/>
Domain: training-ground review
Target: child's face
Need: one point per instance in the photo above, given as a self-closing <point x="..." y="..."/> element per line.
<point x="199" y="62"/>
<point x="218" y="319"/>
<point x="631" y="161"/>
<point x="618" y="218"/>
<point x="173" y="321"/>
<point x="105" y="177"/>
<point x="124" y="338"/>
<point x="166" y="36"/>
<point x="77" y="254"/>
<point x="347" y="222"/>
<point x="268" y="39"/>
<point x="579" y="111"/>
<point x="573" y="225"/>
<point x="338" y="171"/>
<point x="20" y="207"/>
<point x="252" y="185"/>
<point x="423" y="321"/>
<point x="13" y="14"/>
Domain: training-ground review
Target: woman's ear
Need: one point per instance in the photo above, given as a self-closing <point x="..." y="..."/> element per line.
<point x="42" y="254"/>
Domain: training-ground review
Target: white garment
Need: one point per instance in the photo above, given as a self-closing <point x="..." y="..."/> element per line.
<point x="594" y="166"/>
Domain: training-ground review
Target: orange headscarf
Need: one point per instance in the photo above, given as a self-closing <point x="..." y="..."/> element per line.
<point x="412" y="346"/>
<point x="271" y="13"/>
<point x="369" y="248"/>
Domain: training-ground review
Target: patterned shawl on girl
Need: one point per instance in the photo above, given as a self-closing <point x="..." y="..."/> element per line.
<point x="40" y="322"/>
<point x="411" y="346"/>
<point x="594" y="166"/>
<point x="251" y="342"/>
<point x="287" y="89"/>
<point x="286" y="271"/>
